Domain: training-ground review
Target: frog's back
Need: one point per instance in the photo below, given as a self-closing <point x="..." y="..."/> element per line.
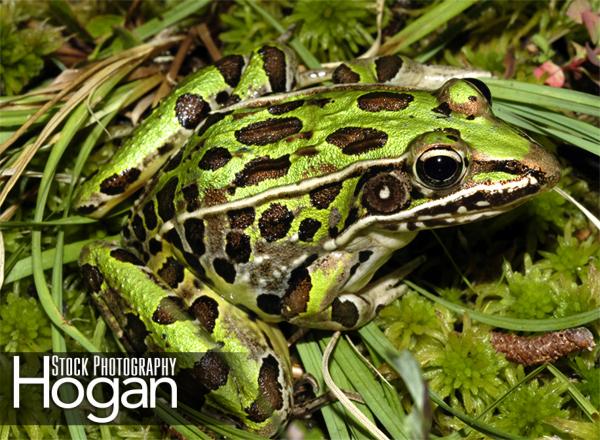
<point x="266" y="189"/>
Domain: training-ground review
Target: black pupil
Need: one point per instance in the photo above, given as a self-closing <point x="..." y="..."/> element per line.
<point x="440" y="169"/>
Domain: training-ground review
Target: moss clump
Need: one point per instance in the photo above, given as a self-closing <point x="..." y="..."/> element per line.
<point x="23" y="325"/>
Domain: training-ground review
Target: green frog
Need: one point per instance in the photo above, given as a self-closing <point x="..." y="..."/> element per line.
<point x="263" y="203"/>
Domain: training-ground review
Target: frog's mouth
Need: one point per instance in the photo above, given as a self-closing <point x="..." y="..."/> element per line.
<point x="471" y="203"/>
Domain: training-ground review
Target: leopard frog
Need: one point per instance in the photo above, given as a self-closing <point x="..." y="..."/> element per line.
<point x="262" y="204"/>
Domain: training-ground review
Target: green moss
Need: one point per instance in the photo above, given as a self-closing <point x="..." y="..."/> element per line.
<point x="334" y="30"/>
<point x="23" y="49"/>
<point x="23" y="325"/>
<point x="526" y="409"/>
<point x="413" y="317"/>
<point x="465" y="368"/>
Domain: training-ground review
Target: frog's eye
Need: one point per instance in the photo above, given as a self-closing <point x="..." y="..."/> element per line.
<point x="439" y="167"/>
<point x="481" y="87"/>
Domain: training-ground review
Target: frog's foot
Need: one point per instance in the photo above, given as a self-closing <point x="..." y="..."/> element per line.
<point x="230" y="363"/>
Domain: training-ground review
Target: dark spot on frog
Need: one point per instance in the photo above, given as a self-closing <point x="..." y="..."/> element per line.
<point x="319" y="102"/>
<point x="222" y="98"/>
<point x="224" y="269"/>
<point x="262" y="168"/>
<point x="165" y="197"/>
<point x="305" y="135"/>
<point x="308" y="151"/>
<point x="344" y="312"/>
<point x="138" y="227"/>
<point x="241" y="218"/>
<point x="269" y="303"/>
<point x="280" y="109"/>
<point x="211" y="120"/>
<point x="173" y="162"/>
<point x="212" y="370"/>
<point x="194" y="263"/>
<point x="154" y="246"/>
<point x="473" y="98"/>
<point x="275" y="222"/>
<point x="275" y="67"/>
<point x="411" y="226"/>
<point x="443" y="109"/>
<point x="384" y="101"/>
<point x="387" y="67"/>
<point x="125" y="256"/>
<point x="233" y="99"/>
<point x="150" y="215"/>
<point x="118" y="183"/>
<point x="323" y="196"/>
<point x="470" y="117"/>
<point x="214" y="159"/>
<point x="308" y="228"/>
<point x="268" y="131"/>
<point x="141" y="252"/>
<point x="238" y="246"/>
<point x="297" y="293"/>
<point x="134" y="334"/>
<point x="190" y="110"/>
<point x="191" y="197"/>
<point x="451" y="133"/>
<point x="194" y="234"/>
<point x="271" y="396"/>
<point x="170" y="310"/>
<point x="351" y="218"/>
<point x="214" y="197"/>
<point x="92" y="278"/>
<point x="172" y="236"/>
<point x="171" y="272"/>
<point x="231" y="68"/>
<point x="206" y="310"/>
<point x="357" y="140"/>
<point x="165" y="148"/>
<point x="344" y="75"/>
<point x="363" y="257"/>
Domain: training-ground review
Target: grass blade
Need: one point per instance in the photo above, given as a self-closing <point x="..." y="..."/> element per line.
<point x="424" y="25"/>
<point x="531" y="325"/>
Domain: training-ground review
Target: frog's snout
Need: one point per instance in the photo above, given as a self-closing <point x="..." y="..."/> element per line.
<point x="542" y="165"/>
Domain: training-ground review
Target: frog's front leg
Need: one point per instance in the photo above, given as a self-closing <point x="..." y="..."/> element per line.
<point x="341" y="296"/>
<point x="349" y="311"/>
<point x="270" y="69"/>
<point x="239" y="367"/>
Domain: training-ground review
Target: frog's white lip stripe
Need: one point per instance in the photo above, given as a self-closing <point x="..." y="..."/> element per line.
<point x="461" y="214"/>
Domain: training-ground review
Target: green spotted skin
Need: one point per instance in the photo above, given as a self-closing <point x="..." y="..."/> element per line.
<point x="220" y="364"/>
<point x="282" y="205"/>
<point x="231" y="79"/>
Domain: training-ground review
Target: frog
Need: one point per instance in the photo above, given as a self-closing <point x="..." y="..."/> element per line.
<point x="261" y="202"/>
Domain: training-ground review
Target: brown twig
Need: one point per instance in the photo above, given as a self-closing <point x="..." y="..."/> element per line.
<point x="549" y="347"/>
